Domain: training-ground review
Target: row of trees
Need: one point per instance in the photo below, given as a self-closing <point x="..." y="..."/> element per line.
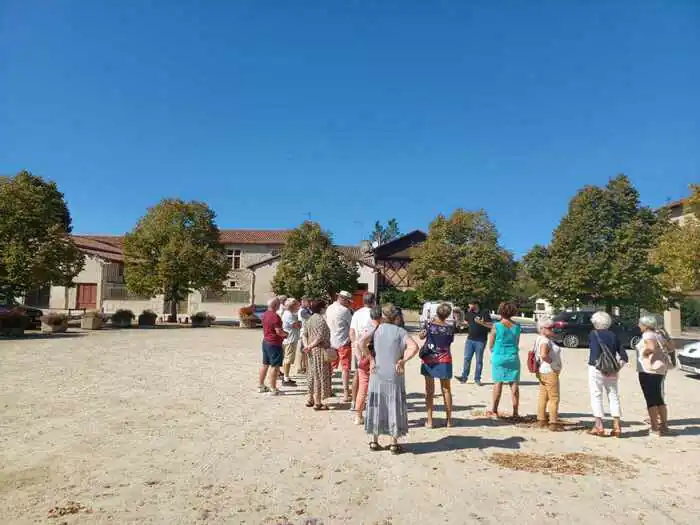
<point x="608" y="250"/>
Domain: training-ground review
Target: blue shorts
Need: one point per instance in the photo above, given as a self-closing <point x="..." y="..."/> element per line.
<point x="273" y="355"/>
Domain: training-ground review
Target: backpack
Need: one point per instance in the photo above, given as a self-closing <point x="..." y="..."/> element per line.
<point x="606" y="363"/>
<point x="668" y="348"/>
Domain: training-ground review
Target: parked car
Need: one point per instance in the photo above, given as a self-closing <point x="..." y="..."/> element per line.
<point x="429" y="311"/>
<point x="689" y="358"/>
<point x="260" y="310"/>
<point x="572" y="328"/>
<point x="34" y="314"/>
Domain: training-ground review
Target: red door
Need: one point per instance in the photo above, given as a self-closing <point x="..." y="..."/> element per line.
<point x="357" y="302"/>
<point x="87" y="296"/>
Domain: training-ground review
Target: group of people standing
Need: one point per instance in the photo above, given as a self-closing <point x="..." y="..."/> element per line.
<point x="323" y="338"/>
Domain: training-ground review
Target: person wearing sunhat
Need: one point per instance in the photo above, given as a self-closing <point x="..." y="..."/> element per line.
<point x="339" y="318"/>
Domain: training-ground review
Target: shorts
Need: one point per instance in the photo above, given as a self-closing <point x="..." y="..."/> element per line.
<point x="290" y="353"/>
<point x="272" y="354"/>
<point x="344" y="358"/>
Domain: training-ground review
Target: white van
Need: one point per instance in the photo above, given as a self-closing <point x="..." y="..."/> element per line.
<point x="430" y="311"/>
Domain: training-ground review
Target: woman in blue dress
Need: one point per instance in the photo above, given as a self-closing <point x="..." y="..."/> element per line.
<point x="437" y="361"/>
<point x="505" y="359"/>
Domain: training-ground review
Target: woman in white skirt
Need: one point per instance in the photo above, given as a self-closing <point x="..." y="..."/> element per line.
<point x="599" y="382"/>
<point x="390" y="347"/>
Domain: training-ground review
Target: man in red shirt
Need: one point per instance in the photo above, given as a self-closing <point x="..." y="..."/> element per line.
<point x="272" y="352"/>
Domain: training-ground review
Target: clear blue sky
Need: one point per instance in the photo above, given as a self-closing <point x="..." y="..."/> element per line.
<point x="350" y="110"/>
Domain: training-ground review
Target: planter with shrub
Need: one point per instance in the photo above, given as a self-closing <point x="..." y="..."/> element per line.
<point x="92" y="320"/>
<point x="147" y="319"/>
<point x="122" y="318"/>
<point x="54" y="323"/>
<point x="202" y="320"/>
<point x="248" y="317"/>
<point x="13" y="322"/>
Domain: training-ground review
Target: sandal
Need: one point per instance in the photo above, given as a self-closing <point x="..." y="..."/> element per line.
<point x="599" y="432"/>
<point x="310" y="404"/>
<point x="395" y="449"/>
<point x="491" y="413"/>
<point x="320" y="407"/>
<point x="374" y="446"/>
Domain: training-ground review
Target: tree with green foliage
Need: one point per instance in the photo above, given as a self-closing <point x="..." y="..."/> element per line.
<point x="525" y="288"/>
<point x="678" y="250"/>
<point x="35" y="247"/>
<point x="462" y="258"/>
<point x="311" y="266"/>
<point x="384" y="234"/>
<point x="173" y="250"/>
<point x="600" y="251"/>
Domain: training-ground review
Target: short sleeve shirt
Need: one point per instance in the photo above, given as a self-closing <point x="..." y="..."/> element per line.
<point x="476" y="331"/>
<point x="339" y="318"/>
<point x="288" y="321"/>
<point x="270" y="322"/>
<point x="658" y="346"/>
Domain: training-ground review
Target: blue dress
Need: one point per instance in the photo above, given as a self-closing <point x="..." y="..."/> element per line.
<point x="438" y="362"/>
<point x="505" y="360"/>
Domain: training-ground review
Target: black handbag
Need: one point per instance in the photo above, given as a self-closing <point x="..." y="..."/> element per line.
<point x="606" y="363"/>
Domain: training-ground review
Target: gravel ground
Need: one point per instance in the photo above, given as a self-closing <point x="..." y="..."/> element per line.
<point x="163" y="426"/>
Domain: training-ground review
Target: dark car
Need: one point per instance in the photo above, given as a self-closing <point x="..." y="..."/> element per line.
<point x="572" y="328"/>
<point x="34" y="314"/>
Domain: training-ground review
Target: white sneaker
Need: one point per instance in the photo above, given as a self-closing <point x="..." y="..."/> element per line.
<point x="359" y="420"/>
<point x="263" y="390"/>
<point x="274" y="392"/>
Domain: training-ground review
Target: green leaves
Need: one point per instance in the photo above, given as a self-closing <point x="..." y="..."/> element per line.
<point x="34" y="226"/>
<point x="174" y="250"/>
<point x="311" y="266"/>
<point x="600" y="251"/>
<point x="384" y="234"/>
<point x="461" y="258"/>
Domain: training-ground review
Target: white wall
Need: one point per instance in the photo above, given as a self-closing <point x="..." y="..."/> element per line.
<point x="261" y="289"/>
<point x="368" y="277"/>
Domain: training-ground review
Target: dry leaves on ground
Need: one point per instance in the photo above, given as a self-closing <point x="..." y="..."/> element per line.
<point x="576" y="463"/>
<point x="71" y="507"/>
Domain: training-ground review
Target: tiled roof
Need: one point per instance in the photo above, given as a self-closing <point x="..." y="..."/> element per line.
<point x="357" y="254"/>
<point x="254" y="236"/>
<point x="106" y="247"/>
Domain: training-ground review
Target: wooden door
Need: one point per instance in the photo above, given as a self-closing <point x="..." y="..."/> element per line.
<point x="357" y="297"/>
<point x="87" y="296"/>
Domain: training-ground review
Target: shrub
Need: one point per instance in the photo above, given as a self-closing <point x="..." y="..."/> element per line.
<point x="148" y="318"/>
<point x="690" y="312"/>
<point x="54" y="319"/>
<point x="246" y="312"/>
<point x="405" y="299"/>
<point x="123" y="316"/>
<point x="203" y="317"/>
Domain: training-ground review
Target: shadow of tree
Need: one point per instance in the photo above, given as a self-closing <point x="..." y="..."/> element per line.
<point x="451" y="443"/>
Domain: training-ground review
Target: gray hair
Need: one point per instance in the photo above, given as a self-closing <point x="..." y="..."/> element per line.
<point x="272" y="302"/>
<point x="369" y="299"/>
<point x="443" y="311"/>
<point x="290" y="302"/>
<point x="649" y="321"/>
<point x="543" y="323"/>
<point x="391" y="314"/>
<point x="375" y="313"/>
<point x="601" y="320"/>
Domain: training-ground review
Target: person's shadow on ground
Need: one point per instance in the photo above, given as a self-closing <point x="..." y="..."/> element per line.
<point x="451" y="443"/>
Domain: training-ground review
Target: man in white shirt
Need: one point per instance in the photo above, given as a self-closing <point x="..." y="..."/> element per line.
<point x="292" y="326"/>
<point x="339" y="317"/>
<point x="361" y="322"/>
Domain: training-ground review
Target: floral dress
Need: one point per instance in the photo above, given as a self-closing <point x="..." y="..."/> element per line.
<point x="318" y="373"/>
<point x="437" y="357"/>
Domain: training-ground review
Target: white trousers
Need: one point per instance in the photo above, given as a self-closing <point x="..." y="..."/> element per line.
<point x="597" y="384"/>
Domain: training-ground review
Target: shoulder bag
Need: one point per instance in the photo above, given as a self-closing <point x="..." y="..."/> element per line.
<point x="606" y="363"/>
<point x="533" y="362"/>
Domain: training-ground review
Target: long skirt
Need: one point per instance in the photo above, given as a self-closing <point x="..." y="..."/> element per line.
<point x="318" y="376"/>
<point x="387" y="413"/>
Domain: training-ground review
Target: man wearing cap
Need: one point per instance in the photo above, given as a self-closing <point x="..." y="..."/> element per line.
<point x="339" y="317"/>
